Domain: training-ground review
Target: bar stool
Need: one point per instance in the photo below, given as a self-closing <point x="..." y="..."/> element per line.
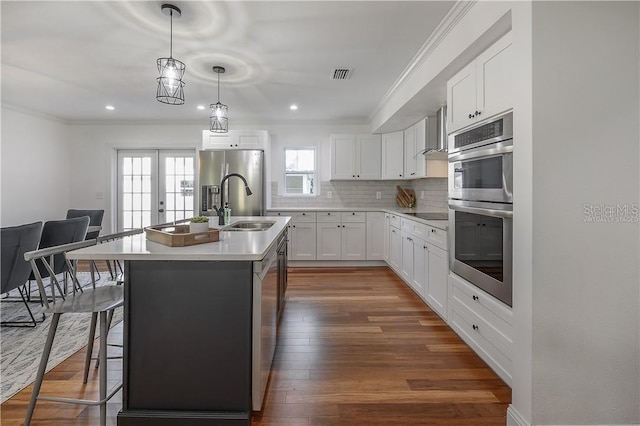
<point x="98" y="301"/>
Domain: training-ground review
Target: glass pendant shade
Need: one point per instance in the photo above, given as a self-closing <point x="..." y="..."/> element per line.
<point x="170" y="84"/>
<point x="218" y="118"/>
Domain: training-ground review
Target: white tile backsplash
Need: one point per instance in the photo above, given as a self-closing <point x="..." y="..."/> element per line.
<point x="362" y="194"/>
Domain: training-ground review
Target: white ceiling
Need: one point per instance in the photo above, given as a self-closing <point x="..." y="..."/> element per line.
<point x="70" y="59"/>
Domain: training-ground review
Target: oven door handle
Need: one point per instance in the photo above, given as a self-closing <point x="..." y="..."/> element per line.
<point x="486" y="209"/>
<point x="493" y="150"/>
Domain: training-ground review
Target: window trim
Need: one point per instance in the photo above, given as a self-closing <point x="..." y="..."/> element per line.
<point x="315" y="171"/>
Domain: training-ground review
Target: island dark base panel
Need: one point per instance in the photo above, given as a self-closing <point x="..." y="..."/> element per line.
<point x="187" y="333"/>
<point x="170" y="418"/>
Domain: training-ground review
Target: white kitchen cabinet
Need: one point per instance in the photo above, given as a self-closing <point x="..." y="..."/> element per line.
<point x="406" y="264"/>
<point x="484" y="323"/>
<point x="419" y="273"/>
<point x="482" y="89"/>
<point x="395" y="249"/>
<point x="354" y="241"/>
<point x="329" y="232"/>
<point x="303" y="236"/>
<point x="393" y="155"/>
<point x="235" y="139"/>
<point x="355" y="157"/>
<point x="415" y="140"/>
<point x="387" y="231"/>
<point x="436" y="261"/>
<point x="341" y="236"/>
<point x="375" y="236"/>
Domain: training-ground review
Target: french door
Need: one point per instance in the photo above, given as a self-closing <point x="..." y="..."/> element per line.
<point x="155" y="186"/>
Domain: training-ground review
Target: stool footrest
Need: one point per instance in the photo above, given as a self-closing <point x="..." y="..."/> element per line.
<point x="81" y="401"/>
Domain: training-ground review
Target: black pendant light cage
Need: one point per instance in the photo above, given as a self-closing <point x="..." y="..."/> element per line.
<point x="218" y="117"/>
<point x="171" y="71"/>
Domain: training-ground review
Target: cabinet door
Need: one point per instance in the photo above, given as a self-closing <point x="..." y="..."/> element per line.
<point x="419" y="275"/>
<point x="395" y="249"/>
<point x="461" y="98"/>
<point x="329" y="240"/>
<point x="387" y="231"/>
<point x="409" y="152"/>
<point x="303" y="241"/>
<point x="343" y="161"/>
<point x="368" y="157"/>
<point x="493" y="79"/>
<point x="406" y="270"/>
<point x="436" y="283"/>
<point x="354" y="241"/>
<point x="393" y="155"/>
<point x="376" y="240"/>
<point x="247" y="141"/>
<point x="218" y="141"/>
<point x="421" y="128"/>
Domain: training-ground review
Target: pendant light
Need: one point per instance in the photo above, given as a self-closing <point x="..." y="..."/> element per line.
<point x="170" y="84"/>
<point x="219" y="121"/>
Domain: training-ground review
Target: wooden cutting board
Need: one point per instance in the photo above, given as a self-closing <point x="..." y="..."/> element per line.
<point x="407" y="199"/>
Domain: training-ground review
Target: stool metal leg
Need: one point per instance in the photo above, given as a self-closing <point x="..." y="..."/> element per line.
<point x="92" y="336"/>
<point x="103" y="368"/>
<point x="41" y="369"/>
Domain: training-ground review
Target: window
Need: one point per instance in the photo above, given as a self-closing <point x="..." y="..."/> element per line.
<point x="300" y="171"/>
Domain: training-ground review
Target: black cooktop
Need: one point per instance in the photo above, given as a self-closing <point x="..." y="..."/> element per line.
<point x="430" y="216"/>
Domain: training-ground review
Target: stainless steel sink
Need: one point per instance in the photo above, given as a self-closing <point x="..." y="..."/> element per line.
<point x="249" y="226"/>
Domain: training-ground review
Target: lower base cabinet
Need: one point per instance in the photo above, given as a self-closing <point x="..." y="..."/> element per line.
<point x="483" y="323"/>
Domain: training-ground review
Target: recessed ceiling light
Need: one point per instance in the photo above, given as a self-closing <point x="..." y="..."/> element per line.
<point x="110" y="107"/>
<point x="293" y="107"/>
<point x="200" y="106"/>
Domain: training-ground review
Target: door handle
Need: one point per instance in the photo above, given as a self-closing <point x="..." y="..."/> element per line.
<point x="161" y="210"/>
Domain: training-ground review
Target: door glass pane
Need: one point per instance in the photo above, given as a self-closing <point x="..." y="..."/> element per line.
<point x="135" y="187"/>
<point x="179" y="177"/>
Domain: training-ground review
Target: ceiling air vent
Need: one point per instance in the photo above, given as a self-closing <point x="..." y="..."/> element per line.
<point x="341" y="74"/>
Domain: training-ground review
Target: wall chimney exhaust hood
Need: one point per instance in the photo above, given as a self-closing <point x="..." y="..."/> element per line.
<point x="436" y="136"/>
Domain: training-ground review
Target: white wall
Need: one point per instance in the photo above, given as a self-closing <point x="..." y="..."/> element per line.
<point x="586" y="142"/>
<point x="35" y="168"/>
<point x="93" y="149"/>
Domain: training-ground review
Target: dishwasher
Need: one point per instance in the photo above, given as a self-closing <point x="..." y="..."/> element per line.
<point x="265" y="319"/>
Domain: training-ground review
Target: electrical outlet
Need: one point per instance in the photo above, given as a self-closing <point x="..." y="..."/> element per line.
<point x="378" y="195"/>
<point x="422" y="195"/>
<point x="329" y="194"/>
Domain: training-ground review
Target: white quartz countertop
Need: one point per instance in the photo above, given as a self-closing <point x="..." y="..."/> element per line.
<point x="233" y="245"/>
<point x="404" y="212"/>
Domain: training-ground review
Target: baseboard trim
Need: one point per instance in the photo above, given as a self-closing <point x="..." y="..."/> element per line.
<point x="514" y="418"/>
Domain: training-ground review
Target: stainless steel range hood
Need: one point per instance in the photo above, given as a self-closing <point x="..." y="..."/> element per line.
<point x="437" y="135"/>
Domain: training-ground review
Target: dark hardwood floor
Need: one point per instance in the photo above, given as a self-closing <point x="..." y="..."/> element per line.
<point x="355" y="347"/>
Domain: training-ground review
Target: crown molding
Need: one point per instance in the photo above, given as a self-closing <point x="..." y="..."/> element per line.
<point x="32" y="113"/>
<point x="457" y="12"/>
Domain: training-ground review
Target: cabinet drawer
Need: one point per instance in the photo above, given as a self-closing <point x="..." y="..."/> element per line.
<point x="481" y="337"/>
<point x="412" y="227"/>
<point x="328" y="216"/>
<point x="353" y="217"/>
<point x="302" y="217"/>
<point x="277" y="213"/>
<point x="394" y="220"/>
<point x="436" y="236"/>
<point x="496" y="313"/>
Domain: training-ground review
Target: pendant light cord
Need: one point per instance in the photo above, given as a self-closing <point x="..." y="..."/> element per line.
<point x="218" y="87"/>
<point x="171" y="37"/>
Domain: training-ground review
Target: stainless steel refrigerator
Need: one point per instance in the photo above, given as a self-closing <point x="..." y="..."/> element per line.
<point x="214" y="165"/>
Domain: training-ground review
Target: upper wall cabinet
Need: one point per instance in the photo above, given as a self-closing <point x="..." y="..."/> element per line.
<point x="393" y="155"/>
<point x="355" y="157"/>
<point x="235" y="139"/>
<point x="415" y="140"/>
<point x="481" y="89"/>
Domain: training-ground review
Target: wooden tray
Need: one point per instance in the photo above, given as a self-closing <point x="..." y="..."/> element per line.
<point x="179" y="235"/>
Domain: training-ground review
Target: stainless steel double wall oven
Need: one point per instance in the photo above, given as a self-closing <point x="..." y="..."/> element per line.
<point x="481" y="205"/>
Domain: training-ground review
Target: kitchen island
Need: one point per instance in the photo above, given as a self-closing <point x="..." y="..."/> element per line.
<point x="199" y="324"/>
